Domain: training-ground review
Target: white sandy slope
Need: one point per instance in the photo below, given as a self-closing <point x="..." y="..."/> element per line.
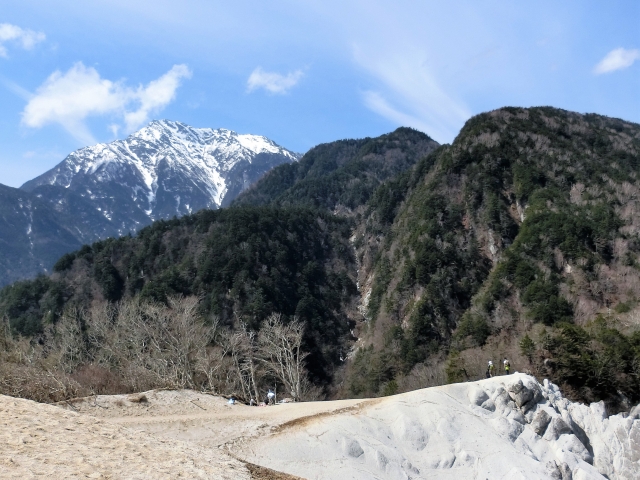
<point x="507" y="427"/>
<point x="501" y="428"/>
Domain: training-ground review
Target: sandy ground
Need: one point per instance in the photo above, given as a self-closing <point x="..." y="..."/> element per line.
<point x="472" y="430"/>
<point x="44" y="441"/>
<point x="157" y="434"/>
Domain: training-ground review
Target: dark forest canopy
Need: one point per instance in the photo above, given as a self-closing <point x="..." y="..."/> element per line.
<point x="343" y="173"/>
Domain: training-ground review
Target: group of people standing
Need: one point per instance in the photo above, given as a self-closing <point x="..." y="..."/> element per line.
<point x="269" y="400"/>
<point x="491" y="369"/>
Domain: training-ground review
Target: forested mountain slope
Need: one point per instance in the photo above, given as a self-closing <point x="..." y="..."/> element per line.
<point x="33" y="235"/>
<point x="340" y="175"/>
<point x="526" y="224"/>
<point x="244" y="264"/>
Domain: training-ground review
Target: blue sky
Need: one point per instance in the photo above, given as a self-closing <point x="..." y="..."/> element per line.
<point x="299" y="72"/>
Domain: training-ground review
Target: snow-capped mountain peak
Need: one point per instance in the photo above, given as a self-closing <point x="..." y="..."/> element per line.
<point x="221" y="137"/>
<point x="166" y="168"/>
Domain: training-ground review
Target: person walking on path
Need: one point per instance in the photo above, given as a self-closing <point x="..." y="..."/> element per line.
<point x="271" y="397"/>
<point x="507" y="367"/>
<point x="490" y="369"/>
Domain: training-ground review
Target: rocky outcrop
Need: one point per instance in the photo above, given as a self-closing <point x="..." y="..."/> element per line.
<point x="573" y="440"/>
<point x="509" y="427"/>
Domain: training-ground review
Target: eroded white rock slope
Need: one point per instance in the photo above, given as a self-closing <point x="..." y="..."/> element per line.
<point x="507" y="427"/>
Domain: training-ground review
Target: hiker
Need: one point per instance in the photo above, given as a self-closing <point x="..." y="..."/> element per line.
<point x="271" y="398"/>
<point x="507" y="367"/>
<point x="490" y="369"/>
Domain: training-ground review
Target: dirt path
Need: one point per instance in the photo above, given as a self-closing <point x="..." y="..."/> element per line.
<point x="206" y="420"/>
<point x="158" y="434"/>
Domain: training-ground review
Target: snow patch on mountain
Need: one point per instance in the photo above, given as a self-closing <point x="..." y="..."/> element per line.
<point x="204" y="153"/>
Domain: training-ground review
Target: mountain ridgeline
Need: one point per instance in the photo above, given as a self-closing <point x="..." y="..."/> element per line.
<point x="244" y="262"/>
<point x="340" y="175"/>
<point x="518" y="240"/>
<point x="165" y="169"/>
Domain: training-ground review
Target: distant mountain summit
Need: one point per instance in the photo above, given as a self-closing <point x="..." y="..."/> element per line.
<point x="165" y="169"/>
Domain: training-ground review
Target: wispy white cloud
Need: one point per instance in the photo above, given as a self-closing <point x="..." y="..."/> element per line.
<point x="12" y="33"/>
<point x="114" y="128"/>
<point x="411" y="94"/>
<point x="273" y="82"/>
<point x="377" y="103"/>
<point x="617" y="59"/>
<point x="155" y="96"/>
<point x="69" y="98"/>
<point x="15" y="88"/>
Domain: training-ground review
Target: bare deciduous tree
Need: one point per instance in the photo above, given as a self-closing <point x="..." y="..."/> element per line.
<point x="280" y="348"/>
<point x="150" y="343"/>
<point x="243" y="349"/>
<point x="27" y="370"/>
<point x="68" y="342"/>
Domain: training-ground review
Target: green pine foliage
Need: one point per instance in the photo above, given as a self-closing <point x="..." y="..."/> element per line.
<point x="593" y="363"/>
<point x="29" y="303"/>
<point x="343" y="173"/>
<point x="527" y="347"/>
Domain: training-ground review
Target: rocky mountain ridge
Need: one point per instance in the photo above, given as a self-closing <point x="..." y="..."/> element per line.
<point x="519" y="240"/>
<point x="167" y="168"/>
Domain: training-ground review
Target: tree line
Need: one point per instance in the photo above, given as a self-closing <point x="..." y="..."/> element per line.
<point x="135" y="345"/>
